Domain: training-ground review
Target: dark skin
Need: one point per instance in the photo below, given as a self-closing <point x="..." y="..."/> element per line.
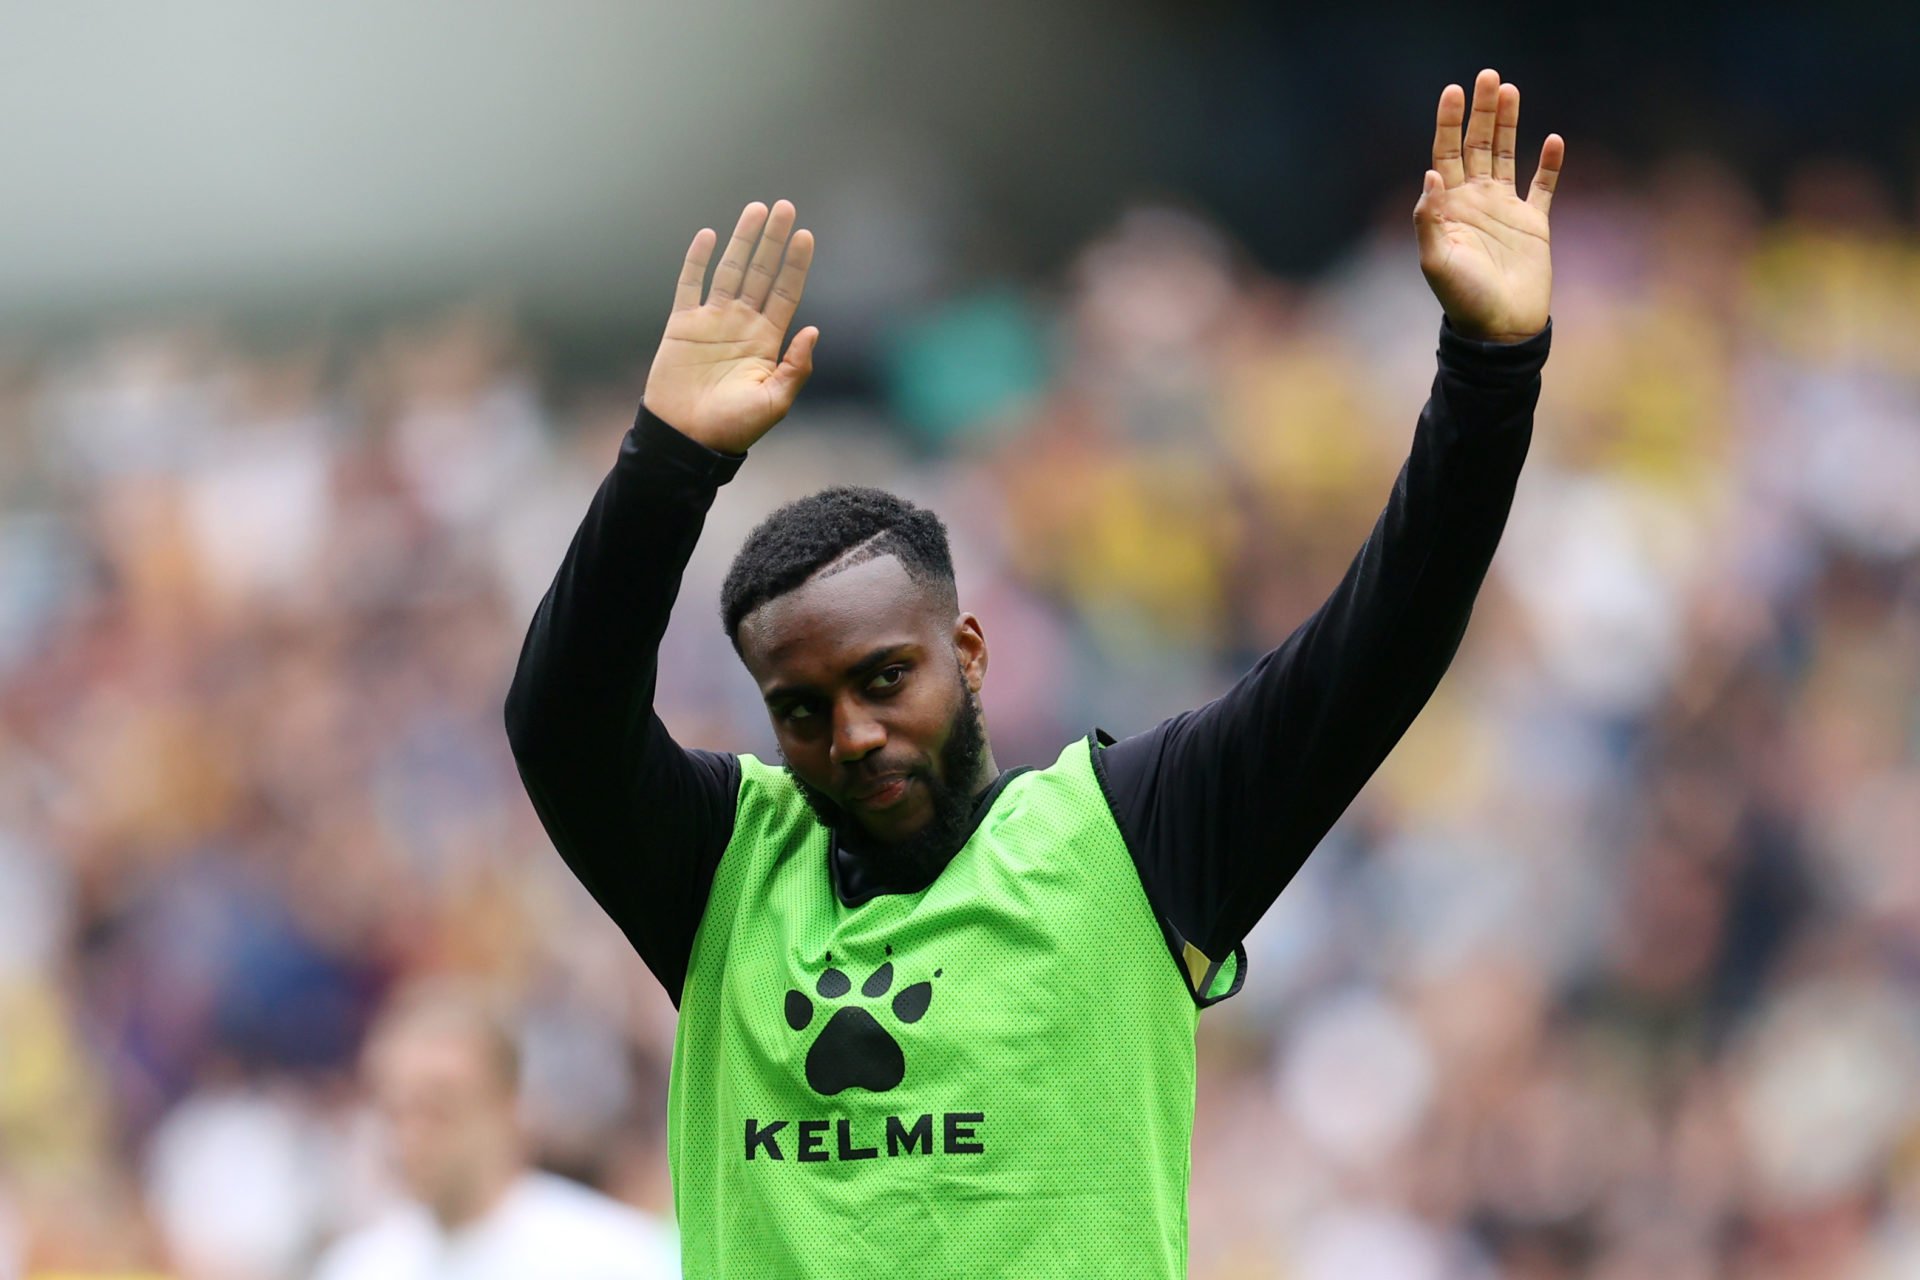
<point x="857" y="667"/>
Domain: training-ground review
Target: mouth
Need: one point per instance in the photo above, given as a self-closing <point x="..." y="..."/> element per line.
<point x="884" y="793"/>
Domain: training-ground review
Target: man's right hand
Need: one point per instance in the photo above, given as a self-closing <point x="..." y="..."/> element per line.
<point x="718" y="376"/>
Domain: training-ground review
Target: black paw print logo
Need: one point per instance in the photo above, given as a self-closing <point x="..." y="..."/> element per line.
<point x="854" y="1051"/>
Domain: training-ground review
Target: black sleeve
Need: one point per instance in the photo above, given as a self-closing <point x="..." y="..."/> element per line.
<point x="639" y="820"/>
<point x="1220" y="806"/>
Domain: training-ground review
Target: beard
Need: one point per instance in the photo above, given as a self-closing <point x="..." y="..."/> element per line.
<point x="927" y="850"/>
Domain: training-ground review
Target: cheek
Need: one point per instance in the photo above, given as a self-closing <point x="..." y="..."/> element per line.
<point x="928" y="715"/>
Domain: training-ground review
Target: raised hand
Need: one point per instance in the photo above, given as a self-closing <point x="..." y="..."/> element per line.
<point x="719" y="376"/>
<point x="1483" y="249"/>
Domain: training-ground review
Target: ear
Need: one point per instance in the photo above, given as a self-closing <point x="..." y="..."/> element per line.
<point x="970" y="646"/>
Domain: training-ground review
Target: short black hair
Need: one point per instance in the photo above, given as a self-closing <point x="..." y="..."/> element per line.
<point x="801" y="538"/>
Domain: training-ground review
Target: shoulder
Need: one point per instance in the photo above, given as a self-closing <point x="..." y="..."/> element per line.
<point x="1073" y="776"/>
<point x="770" y="800"/>
<point x="397" y="1246"/>
<point x="1056" y="806"/>
<point x="597" y="1228"/>
<point x="757" y="772"/>
<point x="1074" y="763"/>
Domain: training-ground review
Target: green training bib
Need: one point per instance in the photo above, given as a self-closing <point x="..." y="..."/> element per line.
<point x="991" y="1077"/>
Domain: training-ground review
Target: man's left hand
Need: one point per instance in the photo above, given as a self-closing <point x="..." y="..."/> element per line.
<point x="1483" y="249"/>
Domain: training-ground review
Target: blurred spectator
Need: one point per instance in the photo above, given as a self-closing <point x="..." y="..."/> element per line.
<point x="445" y="1076"/>
<point x="1610" y="973"/>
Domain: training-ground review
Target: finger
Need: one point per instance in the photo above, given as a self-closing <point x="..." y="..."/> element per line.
<point x="693" y="272"/>
<point x="733" y="264"/>
<point x="766" y="258"/>
<point x="1486" y="90"/>
<point x="1428" y="214"/>
<point x="1553" y="152"/>
<point x="784" y="299"/>
<point x="1446" y="135"/>
<point x="795" y="368"/>
<point x="1506" y="132"/>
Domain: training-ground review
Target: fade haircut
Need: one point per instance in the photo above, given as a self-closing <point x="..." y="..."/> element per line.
<point x="838" y="527"/>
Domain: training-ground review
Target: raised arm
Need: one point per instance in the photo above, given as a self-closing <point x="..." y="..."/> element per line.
<point x="1222" y="805"/>
<point x="641" y="821"/>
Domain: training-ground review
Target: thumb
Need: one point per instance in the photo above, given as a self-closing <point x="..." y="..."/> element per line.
<point x="795" y="367"/>
<point x="1428" y="214"/>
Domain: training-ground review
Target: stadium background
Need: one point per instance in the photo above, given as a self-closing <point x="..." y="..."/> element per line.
<point x="319" y="324"/>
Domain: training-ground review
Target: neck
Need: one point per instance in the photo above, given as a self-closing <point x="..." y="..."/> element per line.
<point x="476" y="1196"/>
<point x="988" y="774"/>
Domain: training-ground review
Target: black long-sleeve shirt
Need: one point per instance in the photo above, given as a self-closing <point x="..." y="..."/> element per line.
<point x="1219" y="806"/>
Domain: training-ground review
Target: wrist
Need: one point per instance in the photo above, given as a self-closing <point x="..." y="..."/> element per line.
<point x="1485" y="362"/>
<point x="674" y="420"/>
<point x="1490" y="334"/>
<point x="1496" y="337"/>
<point x="661" y="440"/>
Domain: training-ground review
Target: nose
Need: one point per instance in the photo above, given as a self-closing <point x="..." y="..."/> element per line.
<point x="856" y="733"/>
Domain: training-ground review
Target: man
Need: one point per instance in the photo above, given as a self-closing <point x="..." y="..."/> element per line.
<point x="444" y="1073"/>
<point x="937" y="1019"/>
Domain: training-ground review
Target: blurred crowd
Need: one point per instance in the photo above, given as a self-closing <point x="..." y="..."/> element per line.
<point x="1609" y="973"/>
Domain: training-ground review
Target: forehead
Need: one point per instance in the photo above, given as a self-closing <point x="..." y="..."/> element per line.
<point x="830" y="622"/>
<point x="418" y="1055"/>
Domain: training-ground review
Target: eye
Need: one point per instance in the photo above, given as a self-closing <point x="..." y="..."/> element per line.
<point x="887" y="678"/>
<point x="796" y="711"/>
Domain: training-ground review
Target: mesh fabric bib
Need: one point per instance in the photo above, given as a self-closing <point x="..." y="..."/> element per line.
<point x="991" y="1077"/>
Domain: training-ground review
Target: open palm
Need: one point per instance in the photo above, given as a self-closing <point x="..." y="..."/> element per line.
<point x="719" y="376"/>
<point x="1484" y="250"/>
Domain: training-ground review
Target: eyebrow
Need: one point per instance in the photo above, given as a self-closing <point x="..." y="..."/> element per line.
<point x="867" y="664"/>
